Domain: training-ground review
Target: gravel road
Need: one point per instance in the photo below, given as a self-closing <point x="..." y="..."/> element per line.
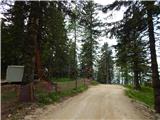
<point x="101" y="102"/>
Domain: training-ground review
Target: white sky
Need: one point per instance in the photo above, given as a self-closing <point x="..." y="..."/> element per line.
<point x="117" y="15"/>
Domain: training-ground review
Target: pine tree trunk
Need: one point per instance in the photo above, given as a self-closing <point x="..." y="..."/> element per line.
<point x="136" y="81"/>
<point x="126" y="81"/>
<point x="26" y="93"/>
<point x="126" y="77"/>
<point x="136" y="73"/>
<point x="75" y="56"/>
<point x="154" y="65"/>
<point x="37" y="42"/>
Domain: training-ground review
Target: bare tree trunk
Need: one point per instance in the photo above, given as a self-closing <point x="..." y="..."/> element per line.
<point x="136" y="73"/>
<point x="38" y="66"/>
<point x="136" y="81"/>
<point x="26" y="93"/>
<point x="154" y="65"/>
<point x="75" y="56"/>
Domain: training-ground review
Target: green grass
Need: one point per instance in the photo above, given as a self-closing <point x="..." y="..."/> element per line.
<point x="94" y="82"/>
<point x="73" y="91"/>
<point x="44" y="98"/>
<point x="144" y="95"/>
<point x="61" y="79"/>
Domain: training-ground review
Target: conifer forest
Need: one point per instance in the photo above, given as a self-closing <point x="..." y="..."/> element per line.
<point x="107" y="50"/>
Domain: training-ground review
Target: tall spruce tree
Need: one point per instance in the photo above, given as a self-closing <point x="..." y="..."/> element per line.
<point x="131" y="51"/>
<point x="26" y="93"/>
<point x="13" y="34"/>
<point x="43" y="24"/>
<point x="105" y="67"/>
<point x="150" y="9"/>
<point x="55" y="53"/>
<point x="74" y="31"/>
<point x="91" y="25"/>
<point x="147" y="10"/>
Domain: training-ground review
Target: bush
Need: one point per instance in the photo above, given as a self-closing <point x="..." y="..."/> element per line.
<point x="128" y="86"/>
<point x="80" y="88"/>
<point x="43" y="98"/>
<point x="94" y="82"/>
<point x="74" y="91"/>
<point x="47" y="98"/>
<point x="54" y="96"/>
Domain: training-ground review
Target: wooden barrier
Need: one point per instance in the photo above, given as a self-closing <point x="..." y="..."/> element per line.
<point x="62" y="86"/>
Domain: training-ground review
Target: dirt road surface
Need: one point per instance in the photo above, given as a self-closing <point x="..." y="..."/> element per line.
<point x="101" y="102"/>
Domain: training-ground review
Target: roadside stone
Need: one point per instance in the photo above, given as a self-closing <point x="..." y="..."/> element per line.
<point x="9" y="115"/>
<point x="157" y="116"/>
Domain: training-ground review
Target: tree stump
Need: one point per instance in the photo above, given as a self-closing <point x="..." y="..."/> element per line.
<point x="26" y="93"/>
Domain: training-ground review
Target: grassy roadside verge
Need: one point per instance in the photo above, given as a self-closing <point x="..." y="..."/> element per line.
<point x="94" y="82"/>
<point x="44" y="98"/>
<point x="47" y="98"/>
<point x="145" y="95"/>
